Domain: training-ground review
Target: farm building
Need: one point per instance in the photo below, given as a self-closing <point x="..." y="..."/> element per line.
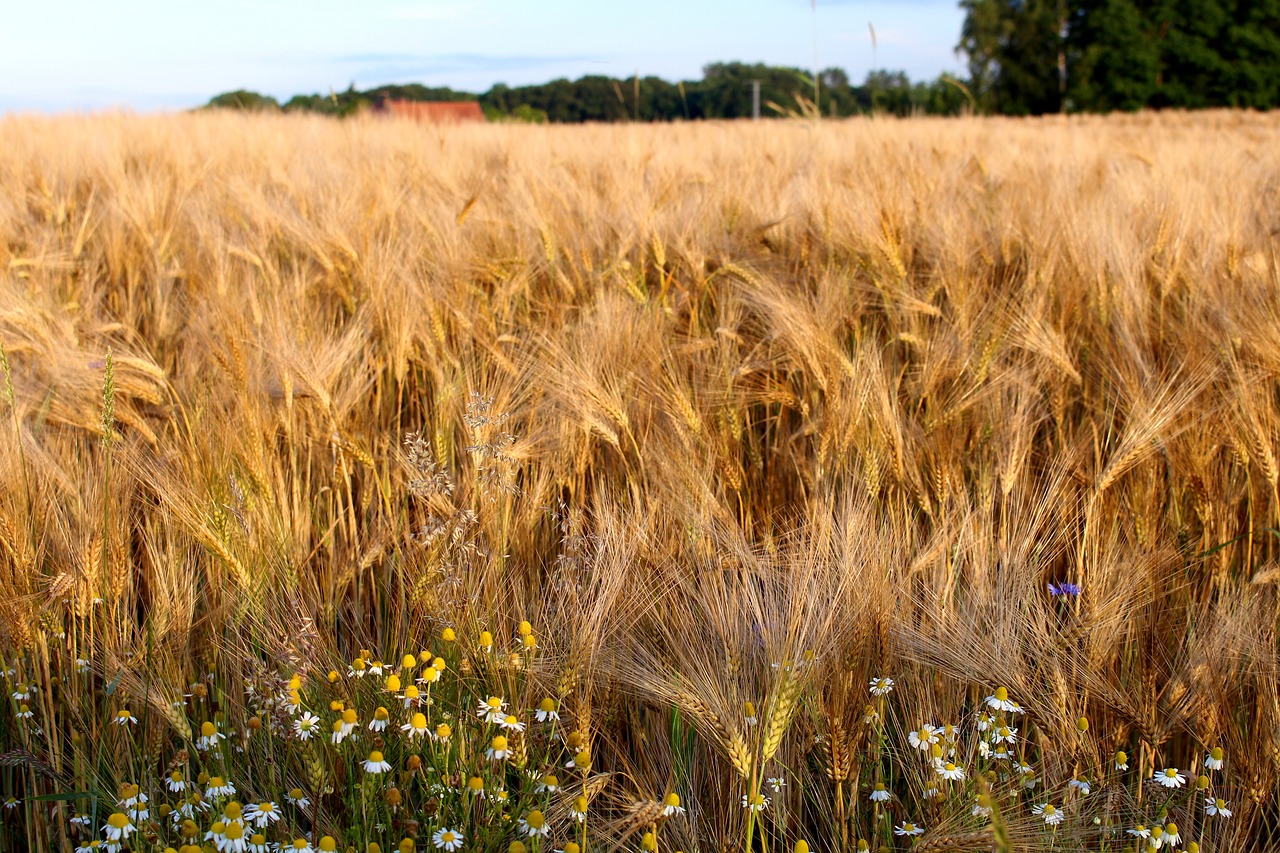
<point x="437" y="112"/>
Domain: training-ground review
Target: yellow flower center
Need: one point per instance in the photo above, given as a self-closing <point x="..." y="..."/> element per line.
<point x="1002" y="694"/>
<point x="535" y="819"/>
<point x="208" y="729"/>
<point x="375" y="757"/>
<point x="349" y="716"/>
<point x="381" y="714"/>
<point x="475" y="783"/>
<point x="118" y="821"/>
<point x="328" y="844"/>
<point x="672" y="799"/>
<point x="443" y="731"/>
<point x="393" y="683"/>
<point x="499" y="743"/>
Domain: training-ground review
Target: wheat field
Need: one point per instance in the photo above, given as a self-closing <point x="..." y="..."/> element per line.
<point x="878" y="484"/>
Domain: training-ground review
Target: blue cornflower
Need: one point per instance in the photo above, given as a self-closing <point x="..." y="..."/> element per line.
<point x="1064" y="589"/>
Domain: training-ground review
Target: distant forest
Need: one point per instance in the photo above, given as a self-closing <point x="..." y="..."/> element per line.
<point x="1024" y="57"/>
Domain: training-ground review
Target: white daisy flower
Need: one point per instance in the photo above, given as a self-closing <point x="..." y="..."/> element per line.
<point x="535" y="825"/>
<point x="262" y="814"/>
<point x="1217" y="807"/>
<point x="375" y="763"/>
<point x="1081" y="785"/>
<point x="1052" y="815"/>
<point x="416" y="727"/>
<point x="547" y="711"/>
<point x="511" y="724"/>
<point x="671" y="805"/>
<point x="1214" y="759"/>
<point x="1000" y="701"/>
<point x="908" y="829"/>
<point x="124" y="717"/>
<point x="982" y="806"/>
<point x="448" y="840"/>
<point x="298" y="798"/>
<point x="1170" y="778"/>
<point x="951" y="772"/>
<point x="1005" y="734"/>
<point x="1171" y="835"/>
<point x="498" y="749"/>
<point x="1139" y="831"/>
<point x="118" y="827"/>
<point x="881" y="686"/>
<point x="306" y="726"/>
<point x="219" y="787"/>
<point x="777" y="783"/>
<point x="24" y="712"/>
<point x="209" y="736"/>
<point x="923" y="738"/>
<point x="492" y="710"/>
<point x="548" y="784"/>
<point x="756" y="803"/>
<point x="380" y="719"/>
<point x="175" y="782"/>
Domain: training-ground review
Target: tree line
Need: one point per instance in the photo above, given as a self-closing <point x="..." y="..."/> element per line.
<point x="1024" y="57"/>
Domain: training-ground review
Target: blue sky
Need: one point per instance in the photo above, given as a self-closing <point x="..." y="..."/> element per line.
<point x="58" y="55"/>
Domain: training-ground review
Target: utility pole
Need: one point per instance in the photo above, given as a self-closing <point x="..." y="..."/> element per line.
<point x="755" y="99"/>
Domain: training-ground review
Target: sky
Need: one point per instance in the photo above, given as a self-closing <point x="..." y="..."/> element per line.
<point x="145" y="55"/>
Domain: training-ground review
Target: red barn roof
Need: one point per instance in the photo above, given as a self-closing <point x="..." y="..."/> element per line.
<point x="438" y="112"/>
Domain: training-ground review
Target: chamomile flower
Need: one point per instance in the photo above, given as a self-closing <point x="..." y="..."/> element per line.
<point x="924" y="737"/>
<point x="24" y="693"/>
<point x="92" y="847"/>
<point x="1217" y="808"/>
<point x="1051" y="814"/>
<point x="262" y="814"/>
<point x="671" y="805"/>
<point x="951" y="772"/>
<point x="1000" y="701"/>
<point x="294" y="703"/>
<point x="1005" y="734"/>
<point x="984" y="721"/>
<point x="546" y="711"/>
<point x="376" y="668"/>
<point x="492" y="710"/>
<point x="298" y="798"/>
<point x="1139" y="831"/>
<point x="219" y="787"/>
<point x="908" y="829"/>
<point x="411" y="696"/>
<point x="380" y="719"/>
<point x="442" y="733"/>
<point x="1214" y="759"/>
<point x="881" y="686"/>
<point x="511" y="724"/>
<point x="337" y="733"/>
<point x="578" y="809"/>
<point x="349" y="721"/>
<point x="749" y="713"/>
<point x="258" y="843"/>
<point x="448" y="840"/>
<point x="124" y="717"/>
<point x="498" y="749"/>
<point x="982" y="806"/>
<point x="416" y="727"/>
<point x="777" y="783"/>
<point x="118" y="827"/>
<point x="1122" y="760"/>
<point x="358" y="668"/>
<point x="1081" y="785"/>
<point x="209" y="736"/>
<point x="299" y="845"/>
<point x="24" y="712"/>
<point x="134" y="802"/>
<point x="11" y="803"/>
<point x="880" y="794"/>
<point x="375" y="763"/>
<point x="755" y="802"/>
<point x="870" y="715"/>
<point x="233" y="839"/>
<point x="81" y="821"/>
<point x="535" y="825"/>
<point x="1170" y="778"/>
<point x="1171" y="835"/>
<point x="306" y="726"/>
<point x="548" y="784"/>
<point x="82" y="665"/>
<point x="175" y="782"/>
